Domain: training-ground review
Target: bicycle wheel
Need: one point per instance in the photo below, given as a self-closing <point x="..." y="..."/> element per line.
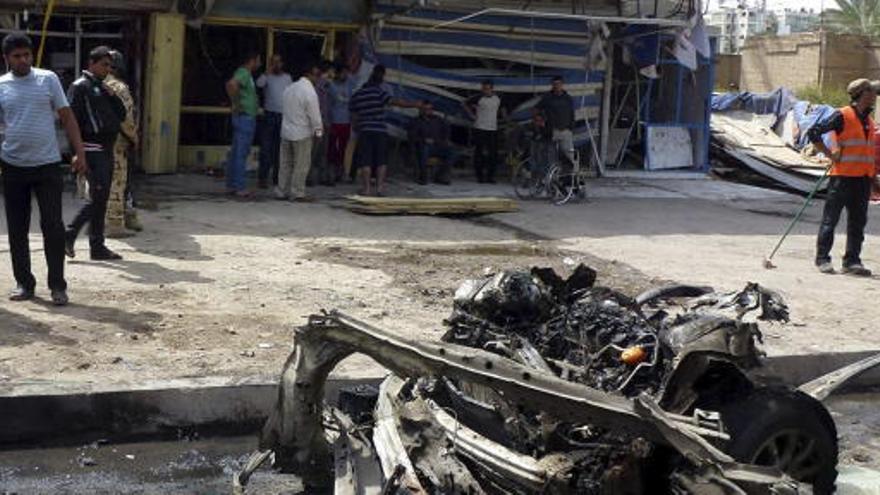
<point x="559" y="186"/>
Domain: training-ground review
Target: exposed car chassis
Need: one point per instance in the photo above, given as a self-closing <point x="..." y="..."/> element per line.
<point x="295" y="435"/>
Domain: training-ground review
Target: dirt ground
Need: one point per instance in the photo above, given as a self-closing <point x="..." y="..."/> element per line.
<point x="215" y="287"/>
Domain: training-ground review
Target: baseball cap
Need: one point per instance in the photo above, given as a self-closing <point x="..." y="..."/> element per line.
<point x="859" y="86"/>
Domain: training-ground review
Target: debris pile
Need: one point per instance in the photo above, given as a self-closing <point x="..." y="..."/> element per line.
<point x="596" y="335"/>
<point x="761" y="139"/>
<point x="566" y="327"/>
<point x="601" y="338"/>
<point x="550" y="385"/>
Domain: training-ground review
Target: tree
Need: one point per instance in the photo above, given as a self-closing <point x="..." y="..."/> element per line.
<point x="855" y="17"/>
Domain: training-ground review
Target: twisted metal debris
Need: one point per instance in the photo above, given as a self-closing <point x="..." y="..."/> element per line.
<point x="551" y="385"/>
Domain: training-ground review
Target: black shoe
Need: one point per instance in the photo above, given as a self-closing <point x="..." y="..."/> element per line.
<point x="490" y="180"/>
<point x="104" y="254"/>
<point x="59" y="298"/>
<point x="857" y="269"/>
<point x="19" y="293"/>
<point x="69" y="240"/>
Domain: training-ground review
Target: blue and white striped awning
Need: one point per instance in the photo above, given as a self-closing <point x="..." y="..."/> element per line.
<point x="522" y="56"/>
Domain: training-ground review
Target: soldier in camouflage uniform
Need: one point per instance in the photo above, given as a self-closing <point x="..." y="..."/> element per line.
<point x="116" y="205"/>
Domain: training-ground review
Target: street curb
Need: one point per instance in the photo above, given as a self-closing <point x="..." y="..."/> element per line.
<point x="52" y="414"/>
<point x="170" y="409"/>
<point x="795" y="370"/>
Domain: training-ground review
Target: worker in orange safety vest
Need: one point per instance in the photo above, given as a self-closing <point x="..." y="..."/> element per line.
<point x="853" y="175"/>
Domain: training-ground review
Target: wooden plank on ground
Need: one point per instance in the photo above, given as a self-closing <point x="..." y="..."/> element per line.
<point x="430" y="206"/>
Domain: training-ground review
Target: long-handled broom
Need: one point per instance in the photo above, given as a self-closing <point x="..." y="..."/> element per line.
<point x="768" y="261"/>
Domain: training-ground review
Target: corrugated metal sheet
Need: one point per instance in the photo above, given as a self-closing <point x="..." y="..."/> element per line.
<point x="594" y="7"/>
<point x="676" y="9"/>
<point x="343" y="11"/>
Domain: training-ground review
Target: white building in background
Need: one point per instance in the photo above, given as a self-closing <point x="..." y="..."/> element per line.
<point x="736" y="23"/>
<point x="796" y="21"/>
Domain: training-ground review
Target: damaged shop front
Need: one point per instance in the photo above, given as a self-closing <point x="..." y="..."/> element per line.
<point x="216" y="39"/>
<point x="549" y="385"/>
<point x="640" y="73"/>
<point x="180" y="55"/>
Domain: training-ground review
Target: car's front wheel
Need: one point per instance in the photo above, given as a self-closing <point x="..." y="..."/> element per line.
<point x="785" y="428"/>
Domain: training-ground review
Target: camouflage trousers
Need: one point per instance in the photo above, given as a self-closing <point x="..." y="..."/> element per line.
<point x="116" y="204"/>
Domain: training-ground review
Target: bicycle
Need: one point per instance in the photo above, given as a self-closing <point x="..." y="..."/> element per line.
<point x="529" y="180"/>
<point x="552" y="181"/>
<point x="567" y="180"/>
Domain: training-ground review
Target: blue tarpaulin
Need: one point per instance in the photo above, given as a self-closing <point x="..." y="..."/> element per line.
<point x="643" y="43"/>
<point x="807" y="115"/>
<point x="778" y="102"/>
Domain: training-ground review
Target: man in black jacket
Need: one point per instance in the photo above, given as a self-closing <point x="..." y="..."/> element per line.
<point x="429" y="135"/>
<point x="99" y="113"/>
<point x="558" y="108"/>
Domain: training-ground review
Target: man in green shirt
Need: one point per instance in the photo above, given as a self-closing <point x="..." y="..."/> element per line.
<point x="243" y="101"/>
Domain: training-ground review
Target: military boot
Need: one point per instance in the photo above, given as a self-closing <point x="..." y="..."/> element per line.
<point x="132" y="222"/>
<point x="117" y="232"/>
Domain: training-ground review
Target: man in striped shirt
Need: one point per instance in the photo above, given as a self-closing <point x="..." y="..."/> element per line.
<point x="368" y="106"/>
<point x="29" y="100"/>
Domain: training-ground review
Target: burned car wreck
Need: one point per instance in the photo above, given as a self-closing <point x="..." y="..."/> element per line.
<point x="549" y="385"/>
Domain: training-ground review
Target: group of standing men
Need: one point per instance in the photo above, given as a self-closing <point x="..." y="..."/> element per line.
<point x="307" y="126"/>
<point x="97" y="116"/>
<point x="429" y="134"/>
<point x="304" y="132"/>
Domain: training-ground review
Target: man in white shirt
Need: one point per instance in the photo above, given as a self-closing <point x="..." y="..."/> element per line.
<point x="30" y="98"/>
<point x="300" y="126"/>
<point x="483" y="108"/>
<point x="273" y="82"/>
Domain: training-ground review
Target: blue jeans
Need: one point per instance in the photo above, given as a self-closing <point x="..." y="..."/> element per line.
<point x="243" y="128"/>
<point x="270" y="143"/>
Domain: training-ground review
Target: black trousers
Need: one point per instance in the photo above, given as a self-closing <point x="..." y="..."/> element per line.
<point x="99" y="178"/>
<point x="853" y="194"/>
<point x="485" y="142"/>
<point x="46" y="182"/>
